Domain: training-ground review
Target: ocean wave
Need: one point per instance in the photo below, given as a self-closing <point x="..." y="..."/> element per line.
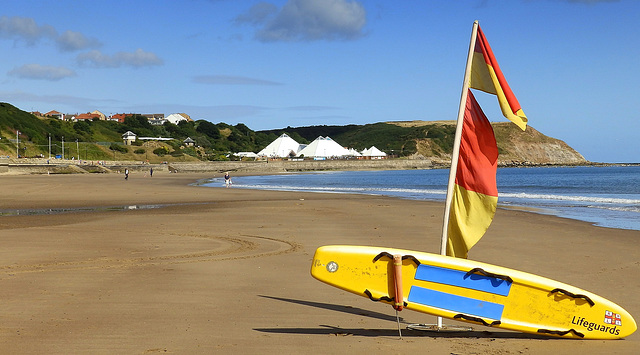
<point x="409" y="191"/>
<point x="593" y="199"/>
<point x="635" y="209"/>
<point x="364" y="190"/>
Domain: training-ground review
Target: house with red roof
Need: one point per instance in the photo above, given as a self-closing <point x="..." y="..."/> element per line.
<point x="120" y="117"/>
<point x="55" y="114"/>
<point x="85" y="116"/>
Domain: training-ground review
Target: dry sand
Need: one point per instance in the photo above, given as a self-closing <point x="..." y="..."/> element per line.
<point x="227" y="270"/>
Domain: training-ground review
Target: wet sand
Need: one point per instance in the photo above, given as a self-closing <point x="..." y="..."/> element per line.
<point x="216" y="270"/>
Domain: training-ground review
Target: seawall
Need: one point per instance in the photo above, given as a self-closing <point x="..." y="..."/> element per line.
<point x="249" y="167"/>
<point x="246" y="167"/>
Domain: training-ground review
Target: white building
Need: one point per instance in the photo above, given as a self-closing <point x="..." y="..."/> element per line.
<point x="250" y="155"/>
<point x="128" y="137"/>
<point x="175" y="118"/>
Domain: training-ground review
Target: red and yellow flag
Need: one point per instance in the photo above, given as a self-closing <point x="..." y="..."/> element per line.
<point x="475" y="195"/>
<point x="487" y="76"/>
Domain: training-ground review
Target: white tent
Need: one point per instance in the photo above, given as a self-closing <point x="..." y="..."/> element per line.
<point x="354" y="153"/>
<point x="373" y="152"/>
<point x="323" y="147"/>
<point x="246" y="155"/>
<point x="282" y="147"/>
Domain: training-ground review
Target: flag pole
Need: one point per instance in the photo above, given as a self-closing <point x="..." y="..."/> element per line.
<point x="456" y="145"/>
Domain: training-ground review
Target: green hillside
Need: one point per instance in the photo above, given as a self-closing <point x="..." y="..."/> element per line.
<point x="102" y="140"/>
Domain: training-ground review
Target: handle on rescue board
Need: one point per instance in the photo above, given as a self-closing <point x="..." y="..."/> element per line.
<point x="397" y="282"/>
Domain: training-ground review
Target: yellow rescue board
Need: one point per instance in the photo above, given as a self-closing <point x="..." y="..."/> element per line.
<point x="474" y="292"/>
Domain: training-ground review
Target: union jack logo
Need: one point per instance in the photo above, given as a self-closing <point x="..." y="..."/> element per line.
<point x="612" y="318"/>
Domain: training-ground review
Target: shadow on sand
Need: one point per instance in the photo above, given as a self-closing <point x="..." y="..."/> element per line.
<point x="391" y="332"/>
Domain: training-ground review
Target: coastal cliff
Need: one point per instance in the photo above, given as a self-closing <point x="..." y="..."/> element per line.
<point x="516" y="147"/>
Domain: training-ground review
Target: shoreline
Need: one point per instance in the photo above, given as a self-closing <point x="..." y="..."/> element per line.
<point x="333" y="183"/>
<point x="227" y="270"/>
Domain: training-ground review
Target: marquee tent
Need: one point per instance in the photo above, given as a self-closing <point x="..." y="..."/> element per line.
<point x="284" y="146"/>
<point x="373" y="152"/>
<point x="323" y="147"/>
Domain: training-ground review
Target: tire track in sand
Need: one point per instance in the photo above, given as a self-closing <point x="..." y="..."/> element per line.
<point x="242" y="247"/>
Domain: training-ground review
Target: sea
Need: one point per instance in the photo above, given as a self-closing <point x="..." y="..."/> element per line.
<point x="606" y="196"/>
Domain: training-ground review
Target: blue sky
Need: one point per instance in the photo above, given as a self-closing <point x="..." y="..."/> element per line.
<point x="572" y="64"/>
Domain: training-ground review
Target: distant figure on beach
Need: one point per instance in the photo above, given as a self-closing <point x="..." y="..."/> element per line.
<point x="151" y="172"/>
<point x="227" y="179"/>
<point x="126" y="174"/>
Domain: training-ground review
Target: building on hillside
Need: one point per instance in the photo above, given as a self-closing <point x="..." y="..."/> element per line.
<point x="85" y="116"/>
<point x="128" y="137"/>
<point x="101" y="116"/>
<point x="154" y="116"/>
<point x="119" y="117"/>
<point x="282" y="147"/>
<point x="55" y="114"/>
<point x="248" y="155"/>
<point x="175" y="118"/>
<point x="189" y="142"/>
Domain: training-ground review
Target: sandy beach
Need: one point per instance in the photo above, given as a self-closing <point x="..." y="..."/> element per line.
<point x="158" y="265"/>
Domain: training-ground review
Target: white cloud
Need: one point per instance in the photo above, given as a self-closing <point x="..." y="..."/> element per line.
<point x="231" y="80"/>
<point x="136" y="59"/>
<point x="41" y="72"/>
<point x="310" y="108"/>
<point x="26" y="99"/>
<point x="74" y="41"/>
<point x="308" y="20"/>
<point x="24" y="28"/>
<point x="258" y="13"/>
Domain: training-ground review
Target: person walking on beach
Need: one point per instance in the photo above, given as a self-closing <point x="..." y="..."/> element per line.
<point x="227" y="179"/>
<point x="126" y="174"/>
<point x="151" y="172"/>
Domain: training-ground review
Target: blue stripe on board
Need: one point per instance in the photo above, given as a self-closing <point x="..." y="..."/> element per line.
<point x="457" y="304"/>
<point x="459" y="278"/>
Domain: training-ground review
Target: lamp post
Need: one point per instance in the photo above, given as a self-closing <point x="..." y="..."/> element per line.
<point x="17" y="144"/>
<point x="63" y="147"/>
<point x="78" y="149"/>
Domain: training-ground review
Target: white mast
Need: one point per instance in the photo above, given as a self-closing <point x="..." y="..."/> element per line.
<point x="456" y="145"/>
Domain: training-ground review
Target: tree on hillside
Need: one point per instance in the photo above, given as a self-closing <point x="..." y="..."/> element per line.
<point x="82" y="127"/>
<point x="208" y="128"/>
